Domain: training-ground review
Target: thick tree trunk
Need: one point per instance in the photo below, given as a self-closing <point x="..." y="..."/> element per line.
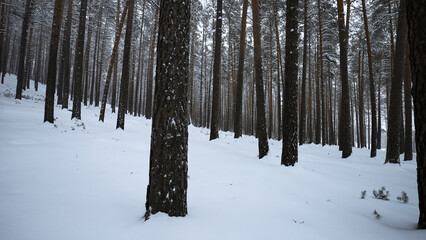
<point x="290" y="138"/>
<point x="395" y="121"/>
<point x="167" y="189"/>
<point x="239" y="98"/>
<point x="260" y="97"/>
<point x="372" y="88"/>
<point x="53" y="55"/>
<point x="78" y="62"/>
<point x="416" y="19"/>
<point x="345" y="141"/>
<point x="125" y="75"/>
<point x="215" y="114"/>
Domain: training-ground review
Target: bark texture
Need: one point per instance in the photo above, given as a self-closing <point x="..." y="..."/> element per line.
<point x="290" y="138"/>
<point x="260" y="97"/>
<point x="395" y="115"/>
<point x="167" y="189"/>
<point x="53" y="55"/>
<point x="416" y="19"/>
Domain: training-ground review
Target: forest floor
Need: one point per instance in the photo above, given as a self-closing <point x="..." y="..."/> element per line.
<point x="87" y="180"/>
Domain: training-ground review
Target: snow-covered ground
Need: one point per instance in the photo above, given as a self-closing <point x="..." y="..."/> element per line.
<point x="87" y="180"/>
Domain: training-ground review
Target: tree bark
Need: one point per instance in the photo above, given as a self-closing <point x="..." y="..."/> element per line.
<point x="66" y="57"/>
<point x="29" y="7"/>
<point x="53" y="55"/>
<point x="302" y="123"/>
<point x="260" y="97"/>
<point x="78" y="62"/>
<point x="240" y="75"/>
<point x="167" y="189"/>
<point x="113" y="59"/>
<point x="416" y="18"/>
<point x="372" y="88"/>
<point x="395" y="121"/>
<point x="215" y="114"/>
<point x="345" y="118"/>
<point x="290" y="138"/>
<point x="408" y="148"/>
<point x="125" y="75"/>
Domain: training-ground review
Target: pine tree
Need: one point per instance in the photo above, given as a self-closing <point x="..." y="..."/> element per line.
<point x="29" y="7"/>
<point x="239" y="98"/>
<point x="53" y="55"/>
<point x="260" y="98"/>
<point x="290" y="148"/>
<point x="78" y="62"/>
<point x="124" y="86"/>
<point x="345" y="140"/>
<point x="395" y="107"/>
<point x="215" y="114"/>
<point x="416" y="19"/>
<point x="167" y="189"/>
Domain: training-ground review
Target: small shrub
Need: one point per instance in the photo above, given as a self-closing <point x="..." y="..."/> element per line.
<point x="363" y="193"/>
<point x="378" y="216"/>
<point x="403" y="198"/>
<point x="381" y="194"/>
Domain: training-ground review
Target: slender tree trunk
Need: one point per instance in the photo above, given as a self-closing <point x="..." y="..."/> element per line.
<point x="302" y="123"/>
<point x="112" y="61"/>
<point x="240" y="75"/>
<point x="379" y="111"/>
<point x="215" y="115"/>
<point x="86" y="61"/>
<point x="66" y="56"/>
<point x="125" y="75"/>
<point x="372" y="89"/>
<point x="78" y="62"/>
<point x="260" y="98"/>
<point x="408" y="108"/>
<point x="279" y="70"/>
<point x="2" y="27"/>
<point x="290" y="148"/>
<point x="29" y="7"/>
<point x="395" y="121"/>
<point x="53" y="55"/>
<point x="150" y="76"/>
<point x="321" y="78"/>
<point x="345" y="141"/>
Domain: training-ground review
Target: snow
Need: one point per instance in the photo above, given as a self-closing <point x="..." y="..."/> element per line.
<point x="90" y="183"/>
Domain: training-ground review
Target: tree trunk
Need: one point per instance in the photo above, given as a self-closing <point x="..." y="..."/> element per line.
<point x="395" y="121"/>
<point x="53" y="55"/>
<point x="302" y="123"/>
<point x="416" y="19"/>
<point x="260" y="97"/>
<point x="113" y="59"/>
<point x="290" y="138"/>
<point x="215" y="114"/>
<point x="372" y="89"/>
<point x="240" y="75"/>
<point x="29" y="7"/>
<point x="167" y="189"/>
<point x="408" y="153"/>
<point x="125" y="75"/>
<point x="66" y="57"/>
<point x="86" y="62"/>
<point x="150" y="76"/>
<point x="279" y="70"/>
<point x="78" y="62"/>
<point x="345" y="141"/>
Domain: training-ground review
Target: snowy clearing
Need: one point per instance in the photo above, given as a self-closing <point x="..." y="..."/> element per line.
<point x="87" y="180"/>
